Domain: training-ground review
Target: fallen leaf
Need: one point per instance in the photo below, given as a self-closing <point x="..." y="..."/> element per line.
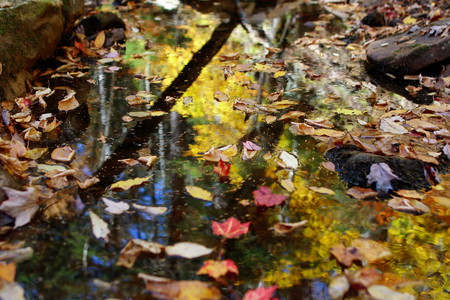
<point x="164" y="288"/>
<point x="279" y="74"/>
<point x="321" y="123"/>
<point x="21" y="205"/>
<point x="264" y="197"/>
<point x="261" y="293"/>
<point x="381" y="292"/>
<point x="151" y="210"/>
<point x="115" y="208"/>
<point x="99" y="39"/>
<point x="215" y="155"/>
<point x="329" y="133"/>
<point x="129" y="161"/>
<point x="35" y="153"/>
<point x="361" y="193"/>
<point x="136" y="247"/>
<point x="392" y="127"/>
<point x="64" y="154"/>
<point x="12" y="291"/>
<point x="249" y="145"/>
<point x="69" y="102"/>
<point x="188" y="250"/>
<point x="371" y="250"/>
<point x="88" y="182"/>
<point x="16" y="255"/>
<point x="199" y="193"/>
<point x="329" y="166"/>
<point x="288" y="185"/>
<point x="221" y="97"/>
<point x="321" y="190"/>
<point x="289" y="161"/>
<point x="99" y="227"/>
<point x="382" y="175"/>
<point x="411" y="194"/>
<point x="408" y="206"/>
<point x="222" y="170"/>
<point x="292" y="115"/>
<point x="217" y="269"/>
<point x="284" y="228"/>
<point x="146" y="114"/>
<point x="125" y="185"/>
<point x="346" y="255"/>
<point x="32" y="134"/>
<point x="7" y="271"/>
<point x="338" y="287"/>
<point x="231" y="228"/>
<point x="363" y="278"/>
<point x="149" y="161"/>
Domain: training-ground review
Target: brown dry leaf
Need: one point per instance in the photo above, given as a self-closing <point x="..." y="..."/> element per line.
<point x="69" y="102"/>
<point x="17" y="146"/>
<point x="115" y="208"/>
<point x="21" y="205"/>
<point x="59" y="205"/>
<point x="288" y="185"/>
<point x="418" y="123"/>
<point x="188" y="250"/>
<point x="338" y="287"/>
<point x="270" y="119"/>
<point x="392" y="127"/>
<point x="283" y="228"/>
<point x="7" y="271"/>
<point x="382" y="175"/>
<point x="151" y="210"/>
<point x="408" y="206"/>
<point x="64" y="154"/>
<point x="88" y="182"/>
<point x="129" y="161"/>
<point x="329" y="133"/>
<point x="125" y="185"/>
<point x="99" y="227"/>
<point x="136" y="100"/>
<point x="149" y="160"/>
<point x="411" y="194"/>
<point x="134" y="248"/>
<point x="363" y="278"/>
<point x="321" y="190"/>
<point x="346" y="255"/>
<point x="244" y="67"/>
<point x="329" y="166"/>
<point x="215" y="155"/>
<point x="165" y="288"/>
<point x="32" y="134"/>
<point x="361" y="193"/>
<point x="320" y="123"/>
<point x="14" y="165"/>
<point x="99" y="39"/>
<point x="292" y="115"/>
<point x="371" y="250"/>
<point x="221" y="97"/>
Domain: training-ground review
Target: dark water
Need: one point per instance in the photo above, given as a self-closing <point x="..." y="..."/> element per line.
<point x="70" y="263"/>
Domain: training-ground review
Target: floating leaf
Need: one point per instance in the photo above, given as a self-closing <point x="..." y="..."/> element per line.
<point x="365" y="277"/>
<point x="115" y="208"/>
<point x="231" y="228"/>
<point x="188" y="250"/>
<point x="99" y="39"/>
<point x="217" y="269"/>
<point x="264" y="197"/>
<point x="289" y="160"/>
<point x="12" y="291"/>
<point x="284" y="228"/>
<point x="215" y="155"/>
<point x="338" y="287"/>
<point x="152" y="210"/>
<point x="127" y="184"/>
<point x="146" y="114"/>
<point x="69" y="102"/>
<point x="88" y="182"/>
<point x="222" y="170"/>
<point x="129" y="161"/>
<point x="382" y="175"/>
<point x="21" y="205"/>
<point x="381" y="292"/>
<point x="99" y="227"/>
<point x="221" y="97"/>
<point x="371" y="250"/>
<point x="288" y="185"/>
<point x="408" y="205"/>
<point x="346" y="255"/>
<point x="199" y="193"/>
<point x="321" y="190"/>
<point x="64" y="154"/>
<point x="149" y="161"/>
<point x="134" y="248"/>
<point x="361" y="193"/>
<point x="249" y="145"/>
<point x="261" y="293"/>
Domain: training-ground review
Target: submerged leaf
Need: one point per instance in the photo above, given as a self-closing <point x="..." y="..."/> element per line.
<point x="217" y="269"/>
<point x="152" y="210"/>
<point x="261" y="293"/>
<point x="264" y="197"/>
<point x="321" y="190"/>
<point x="134" y="248"/>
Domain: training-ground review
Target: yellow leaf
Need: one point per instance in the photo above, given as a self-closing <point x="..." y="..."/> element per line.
<point x="279" y="74"/>
<point x="127" y="184"/>
<point x="409" y="20"/>
<point x="8" y="271"/>
<point x="146" y="114"/>
<point x="322" y="190"/>
<point x="64" y="154"/>
<point x="199" y="193"/>
<point x="100" y="40"/>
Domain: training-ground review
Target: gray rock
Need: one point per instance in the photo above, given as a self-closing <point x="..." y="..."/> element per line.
<point x="29" y="32"/>
<point x="413" y="50"/>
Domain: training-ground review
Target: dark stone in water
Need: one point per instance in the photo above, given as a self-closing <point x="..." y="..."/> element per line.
<point x="92" y="25"/>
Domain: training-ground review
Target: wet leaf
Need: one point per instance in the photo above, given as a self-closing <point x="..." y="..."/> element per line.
<point x="222" y="170"/>
<point x="21" y="205"/>
<point x="188" y="250"/>
<point x="371" y="250"/>
<point x="35" y="153"/>
<point x="64" y="154"/>
<point x="338" y="287"/>
<point x="411" y="194"/>
<point x="99" y="227"/>
<point x="329" y="166"/>
<point x="115" y="208"/>
<point x="382" y="175"/>
<point x="32" y="134"/>
<point x="217" y="269"/>
<point x="346" y="255"/>
<point x="99" y="39"/>
<point x="264" y="197"/>
<point x="125" y="185"/>
<point x="129" y="161"/>
<point x="361" y="193"/>
<point x="136" y="247"/>
<point x="12" y="291"/>
<point x="69" y="102"/>
<point x="215" y="155"/>
<point x="283" y="228"/>
<point x="289" y="161"/>
<point x="279" y="74"/>
<point x="88" y="182"/>
<point x="146" y="114"/>
<point x="381" y="292"/>
<point x="321" y="190"/>
<point x="199" y="193"/>
<point x="249" y="145"/>
<point x="152" y="210"/>
<point x="392" y="127"/>
<point x="288" y="185"/>
<point x="329" y="133"/>
<point x="261" y="293"/>
<point x="149" y="161"/>
<point x="292" y="115"/>
<point x="164" y="288"/>
<point x="321" y="123"/>
<point x="231" y="228"/>
<point x="408" y="205"/>
<point x="365" y="277"/>
<point x="7" y="271"/>
<point x="221" y="97"/>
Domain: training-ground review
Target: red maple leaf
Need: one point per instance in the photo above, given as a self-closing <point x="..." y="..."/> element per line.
<point x="261" y="293"/>
<point x="264" y="197"/>
<point x="222" y="170"/>
<point x="217" y="269"/>
<point x="231" y="228"/>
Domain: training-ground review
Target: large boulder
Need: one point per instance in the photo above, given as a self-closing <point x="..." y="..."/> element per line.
<point x="412" y="51"/>
<point x="29" y="32"/>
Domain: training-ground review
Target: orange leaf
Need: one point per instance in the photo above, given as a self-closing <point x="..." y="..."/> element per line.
<point x="217" y="269"/>
<point x="231" y="228"/>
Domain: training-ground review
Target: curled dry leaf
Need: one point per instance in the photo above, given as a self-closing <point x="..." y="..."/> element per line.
<point x="129" y="161"/>
<point x="199" y="193"/>
<point x="115" y="208"/>
<point x="188" y="250"/>
<point x="21" y="205"/>
<point x="411" y="194"/>
<point x="149" y="161"/>
<point x="215" y="155"/>
<point x="292" y="115"/>
<point x="151" y="210"/>
<point x="221" y="97"/>
<point x="69" y="102"/>
<point x="136" y="247"/>
<point x="64" y="154"/>
<point x="88" y="182"/>
<point x="125" y="185"/>
<point x="284" y="228"/>
<point x="322" y="190"/>
<point x="165" y="288"/>
<point x="361" y="193"/>
<point x="99" y="227"/>
<point x="408" y="205"/>
<point x="217" y="269"/>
